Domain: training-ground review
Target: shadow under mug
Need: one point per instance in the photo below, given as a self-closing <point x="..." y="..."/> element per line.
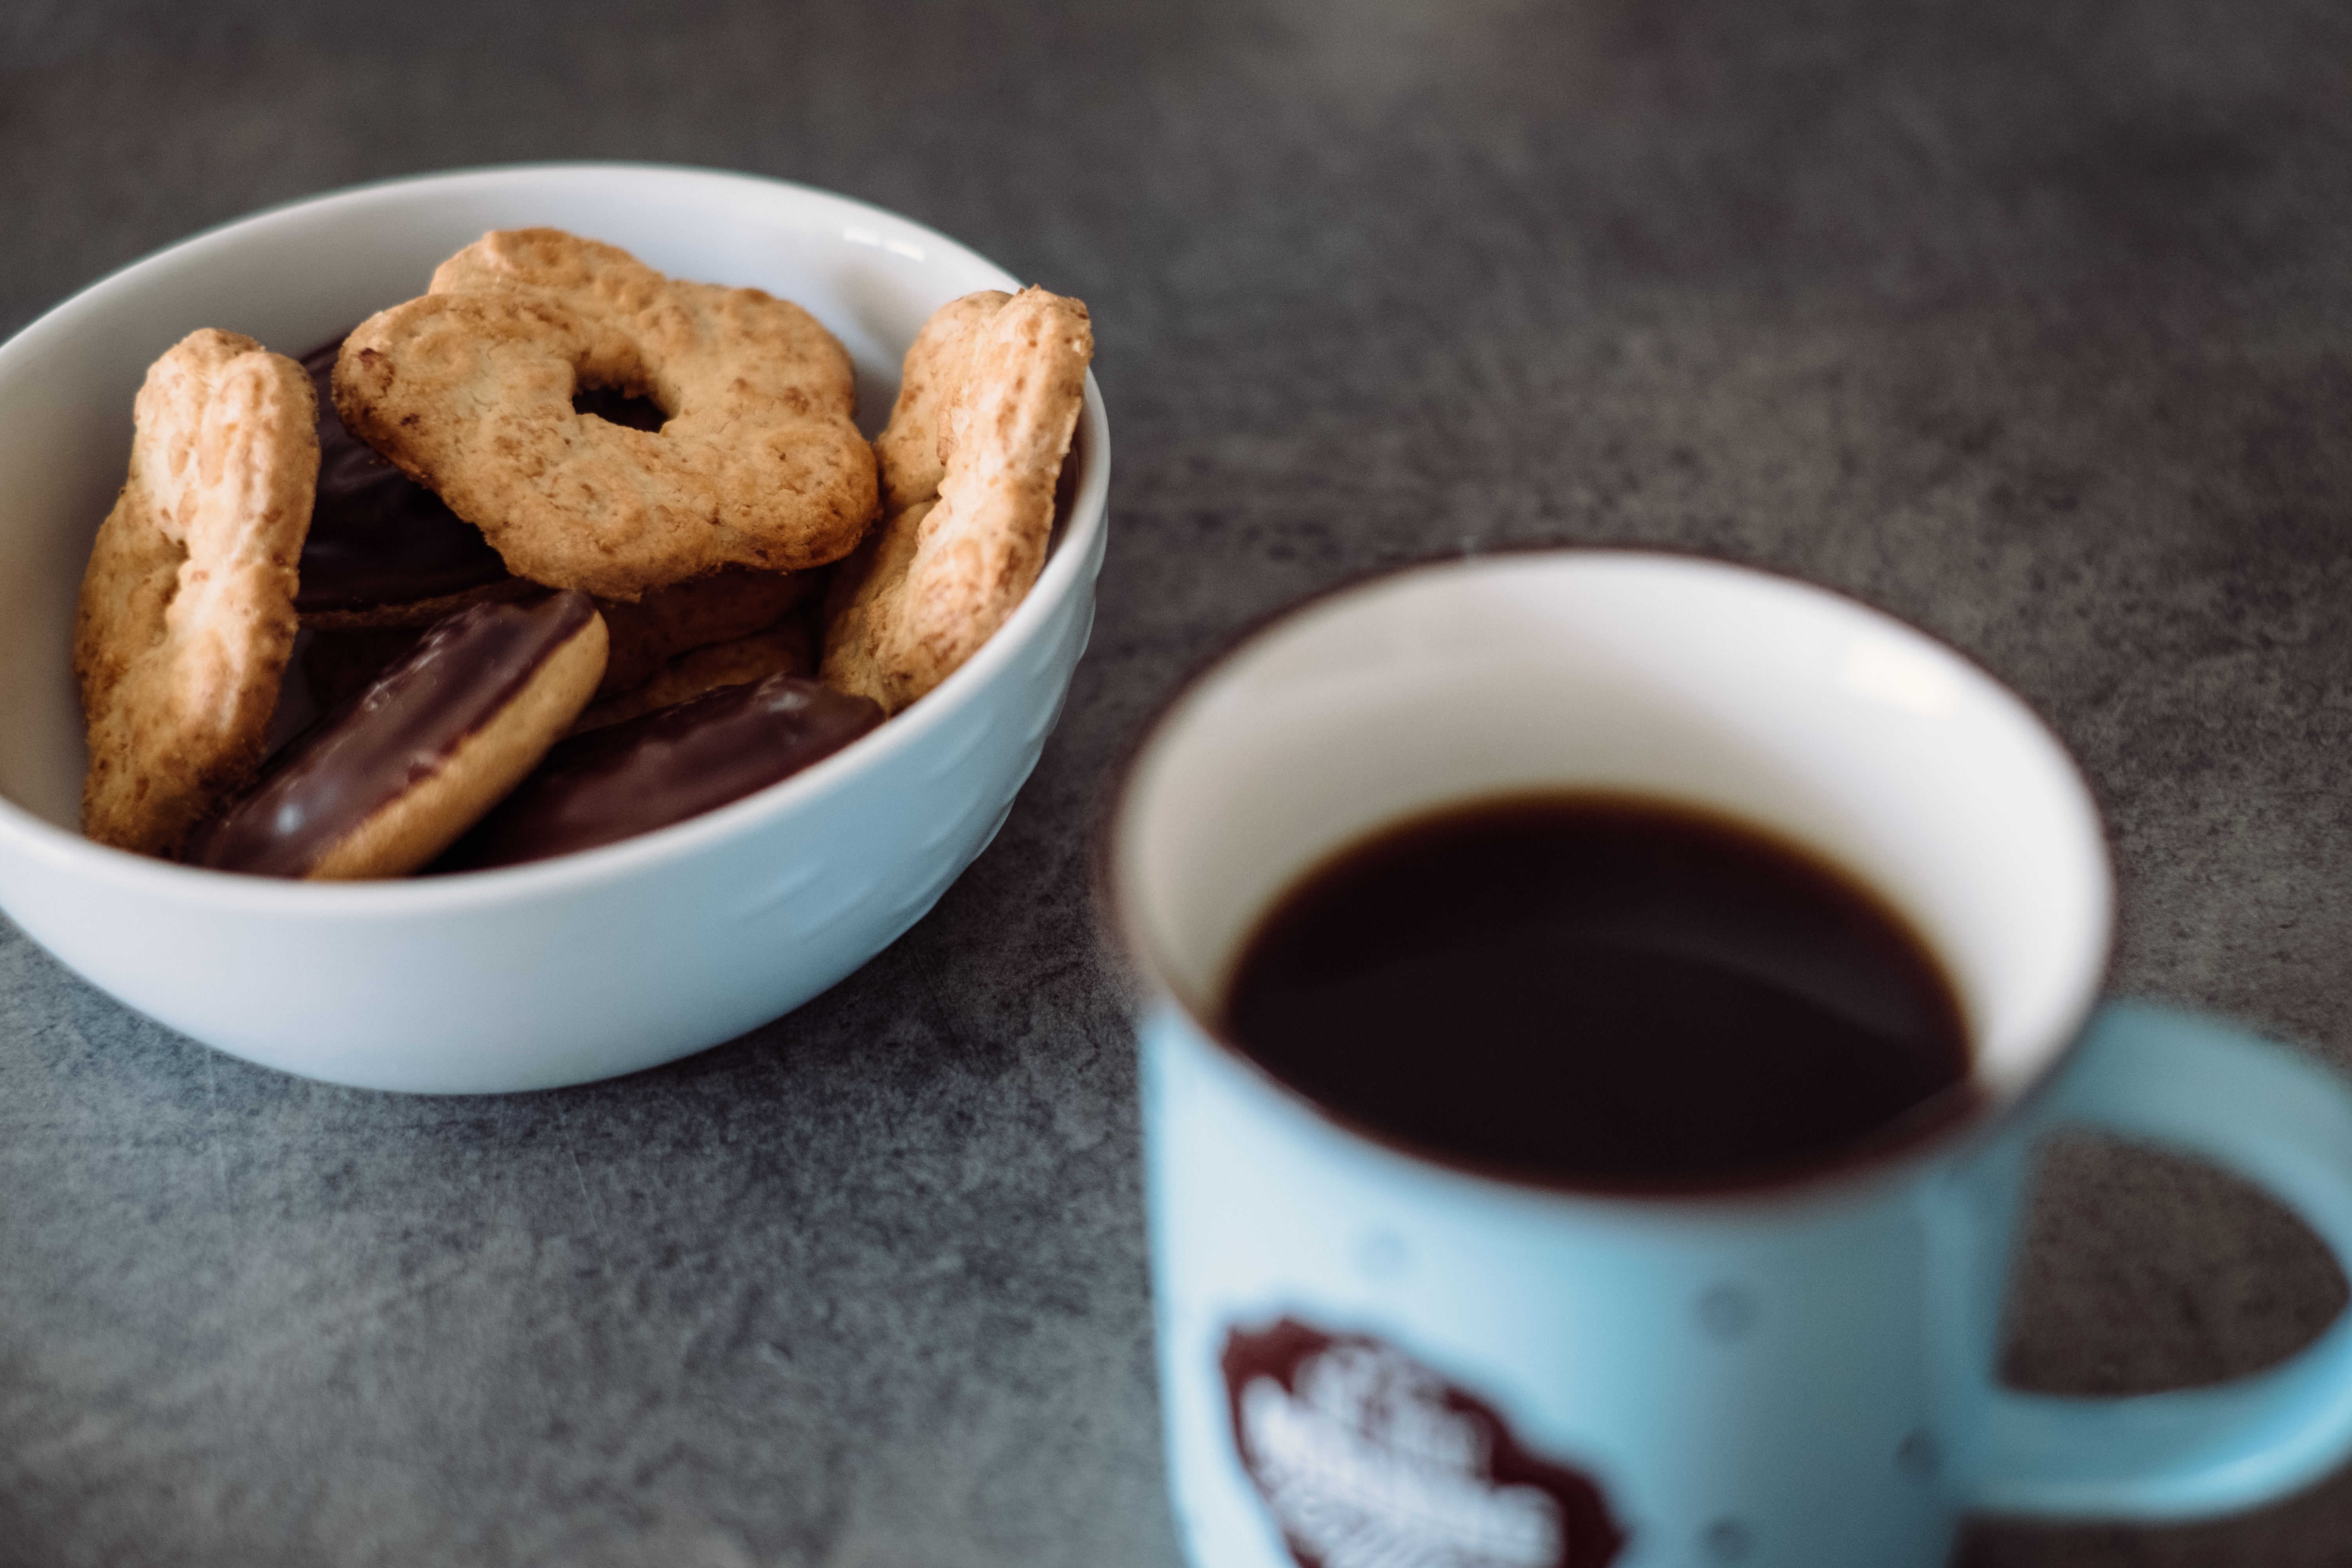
<point x="1367" y="1357"/>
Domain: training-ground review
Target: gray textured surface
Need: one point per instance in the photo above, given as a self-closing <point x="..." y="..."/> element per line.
<point x="2031" y="323"/>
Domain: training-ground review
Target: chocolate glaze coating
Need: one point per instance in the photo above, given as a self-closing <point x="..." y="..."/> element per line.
<point x="663" y="767"/>
<point x="377" y="537"/>
<point x="358" y="758"/>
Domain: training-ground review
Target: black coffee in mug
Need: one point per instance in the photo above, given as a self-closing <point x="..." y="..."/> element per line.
<point x="1603" y="991"/>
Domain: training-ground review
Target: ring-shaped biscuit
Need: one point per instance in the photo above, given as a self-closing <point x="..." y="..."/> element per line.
<point x="985" y="413"/>
<point x="186" y="618"/>
<point x="469" y="390"/>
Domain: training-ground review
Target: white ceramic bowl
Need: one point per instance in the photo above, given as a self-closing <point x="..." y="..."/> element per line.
<point x="572" y="969"/>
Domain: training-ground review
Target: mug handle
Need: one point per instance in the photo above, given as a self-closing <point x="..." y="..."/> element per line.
<point x="2211" y="1088"/>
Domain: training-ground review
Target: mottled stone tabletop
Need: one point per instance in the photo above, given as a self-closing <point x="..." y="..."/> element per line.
<point x="2031" y="323"/>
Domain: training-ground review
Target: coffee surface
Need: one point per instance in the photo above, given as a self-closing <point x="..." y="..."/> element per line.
<point x="1605" y="993"/>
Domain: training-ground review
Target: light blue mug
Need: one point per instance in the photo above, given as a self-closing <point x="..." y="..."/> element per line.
<point x="1373" y="1360"/>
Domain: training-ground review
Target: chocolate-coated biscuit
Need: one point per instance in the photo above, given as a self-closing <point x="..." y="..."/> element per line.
<point x="663" y="767"/>
<point x="392" y="778"/>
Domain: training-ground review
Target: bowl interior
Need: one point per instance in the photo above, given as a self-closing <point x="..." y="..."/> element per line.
<point x="298" y="276"/>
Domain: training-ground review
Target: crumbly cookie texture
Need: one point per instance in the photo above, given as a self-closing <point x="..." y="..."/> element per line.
<point x="989" y="404"/>
<point x="468" y="390"/>
<point x="186" y="618"/>
<point x="909" y="452"/>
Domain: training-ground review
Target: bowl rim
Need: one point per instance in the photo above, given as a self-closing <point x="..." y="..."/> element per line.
<point x="31" y="836"/>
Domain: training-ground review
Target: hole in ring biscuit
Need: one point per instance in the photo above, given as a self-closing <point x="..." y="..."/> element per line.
<point x="626" y="406"/>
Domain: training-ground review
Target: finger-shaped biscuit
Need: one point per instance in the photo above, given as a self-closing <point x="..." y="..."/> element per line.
<point x="186" y="618"/>
<point x="469" y="390"/>
<point x="1003" y="390"/>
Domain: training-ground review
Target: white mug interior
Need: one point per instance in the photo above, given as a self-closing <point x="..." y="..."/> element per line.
<point x="1685" y="680"/>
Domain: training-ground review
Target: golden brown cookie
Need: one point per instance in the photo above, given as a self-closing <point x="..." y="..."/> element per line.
<point x="398" y="774"/>
<point x="469" y="390"/>
<point x="908" y="451"/>
<point x="996" y="388"/>
<point x="187" y="617"/>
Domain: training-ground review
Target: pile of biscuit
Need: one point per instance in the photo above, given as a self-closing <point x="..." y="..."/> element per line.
<point x="561" y="550"/>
